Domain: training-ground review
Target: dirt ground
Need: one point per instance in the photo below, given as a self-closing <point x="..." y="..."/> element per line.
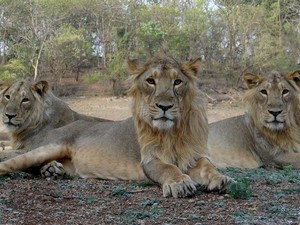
<point x="119" y="108"/>
<point x="30" y="200"/>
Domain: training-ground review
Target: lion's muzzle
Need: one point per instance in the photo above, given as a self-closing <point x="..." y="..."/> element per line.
<point x="163" y="120"/>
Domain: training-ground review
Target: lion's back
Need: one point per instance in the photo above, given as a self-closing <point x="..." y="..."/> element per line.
<point x="230" y="143"/>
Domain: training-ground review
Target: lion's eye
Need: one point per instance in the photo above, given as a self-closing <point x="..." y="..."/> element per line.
<point x="285" y="91"/>
<point x="264" y="92"/>
<point x="150" y="81"/>
<point x="24" y="100"/>
<point x="7" y="97"/>
<point x="177" y="82"/>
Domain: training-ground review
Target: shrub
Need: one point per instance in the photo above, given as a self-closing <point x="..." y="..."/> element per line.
<point x="93" y="77"/>
<point x="239" y="189"/>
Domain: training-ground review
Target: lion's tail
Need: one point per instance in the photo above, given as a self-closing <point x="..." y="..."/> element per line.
<point x="34" y="158"/>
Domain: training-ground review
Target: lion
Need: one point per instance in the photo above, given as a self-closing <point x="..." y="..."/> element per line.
<point x="269" y="133"/>
<point x="165" y="141"/>
<point x="171" y="124"/>
<point x="50" y="138"/>
<point x="29" y="111"/>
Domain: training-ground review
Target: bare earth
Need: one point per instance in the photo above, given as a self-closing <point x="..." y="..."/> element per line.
<point x="119" y="108"/>
<point x="28" y="199"/>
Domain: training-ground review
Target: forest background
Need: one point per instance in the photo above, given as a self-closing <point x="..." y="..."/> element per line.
<point x="86" y="41"/>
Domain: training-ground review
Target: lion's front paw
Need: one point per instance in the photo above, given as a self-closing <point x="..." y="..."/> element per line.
<point x="219" y="183"/>
<point x="179" y="188"/>
<point x="52" y="170"/>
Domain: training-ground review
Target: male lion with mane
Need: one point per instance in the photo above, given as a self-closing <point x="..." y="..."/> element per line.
<point x="171" y="124"/>
<point x="170" y="119"/>
<point x="269" y="134"/>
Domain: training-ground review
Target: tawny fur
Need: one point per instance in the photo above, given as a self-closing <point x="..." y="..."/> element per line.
<point x="35" y="117"/>
<point x="47" y="129"/>
<point x="175" y="141"/>
<point x="173" y="154"/>
<point x="249" y="141"/>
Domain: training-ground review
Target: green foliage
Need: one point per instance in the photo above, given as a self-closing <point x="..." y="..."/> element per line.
<point x="239" y="189"/>
<point x="152" y="30"/>
<point x="65" y="37"/>
<point x="132" y="216"/>
<point x="5" y="75"/>
<point x="89" y="199"/>
<point x="290" y="191"/>
<point x="15" y="175"/>
<point x="146" y="183"/>
<point x="117" y="74"/>
<point x="120" y="192"/>
<point x="151" y="35"/>
<point x="275" y="177"/>
<point x="68" y="51"/>
<point x="116" y="66"/>
<point x="274" y="209"/>
<point x="150" y="202"/>
<point x="272" y="176"/>
<point x="15" y="69"/>
<point x="241" y="217"/>
<point x="288" y="169"/>
<point x="94" y="77"/>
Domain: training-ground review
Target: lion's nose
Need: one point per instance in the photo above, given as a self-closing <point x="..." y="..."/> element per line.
<point x="164" y="107"/>
<point x="10" y="116"/>
<point x="275" y="113"/>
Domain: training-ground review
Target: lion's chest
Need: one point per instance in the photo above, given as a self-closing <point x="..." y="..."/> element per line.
<point x="177" y="153"/>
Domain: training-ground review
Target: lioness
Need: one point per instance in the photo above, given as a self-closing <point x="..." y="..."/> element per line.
<point x="170" y="119"/>
<point x="269" y="134"/>
<point x="29" y="111"/>
<point x="37" y="120"/>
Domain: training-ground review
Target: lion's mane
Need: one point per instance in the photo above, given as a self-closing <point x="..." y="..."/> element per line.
<point x="191" y="128"/>
<point x="286" y="139"/>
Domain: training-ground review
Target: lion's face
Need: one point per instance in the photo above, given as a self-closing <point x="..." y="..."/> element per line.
<point x="162" y="88"/>
<point x="273" y="99"/>
<point x="21" y="104"/>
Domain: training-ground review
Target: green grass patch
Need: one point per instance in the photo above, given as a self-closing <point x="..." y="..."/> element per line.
<point x="15" y="176"/>
<point x="240" y="189"/>
<point x="120" y="192"/>
<point x="132" y="216"/>
<point x="279" y="210"/>
<point x="219" y="204"/>
<point x="270" y="175"/>
<point x="275" y="206"/>
<point x="94" y="77"/>
<point x="150" y="202"/>
<point x="144" y="184"/>
<point x="291" y="191"/>
<point x="241" y="217"/>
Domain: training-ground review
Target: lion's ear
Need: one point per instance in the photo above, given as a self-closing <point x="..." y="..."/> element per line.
<point x="194" y="65"/>
<point x="133" y="66"/>
<point x="4" y="85"/>
<point x="294" y="77"/>
<point x="41" y="87"/>
<point x="251" y="80"/>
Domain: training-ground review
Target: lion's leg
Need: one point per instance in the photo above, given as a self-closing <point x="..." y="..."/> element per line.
<point x="34" y="158"/>
<point x="205" y="174"/>
<point x="288" y="158"/>
<point x="173" y="181"/>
